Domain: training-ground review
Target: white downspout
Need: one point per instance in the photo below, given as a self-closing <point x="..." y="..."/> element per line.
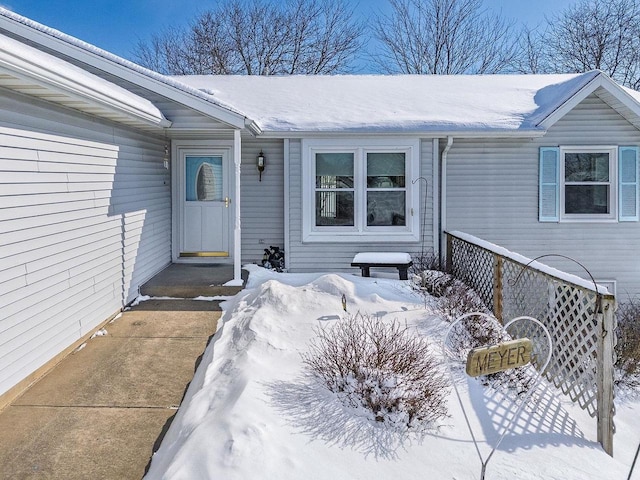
<point x="435" y="193"/>
<point x="237" y="237"/>
<point x="443" y="201"/>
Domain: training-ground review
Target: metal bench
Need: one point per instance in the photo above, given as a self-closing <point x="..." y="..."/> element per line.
<point x="366" y="260"/>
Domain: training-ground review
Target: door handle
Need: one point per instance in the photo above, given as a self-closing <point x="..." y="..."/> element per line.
<point x="227" y="202"/>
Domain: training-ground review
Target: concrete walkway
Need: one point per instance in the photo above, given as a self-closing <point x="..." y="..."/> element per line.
<point x="102" y="412"/>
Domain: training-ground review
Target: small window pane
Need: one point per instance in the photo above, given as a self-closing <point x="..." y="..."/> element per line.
<point x="586" y="167"/>
<point x="334" y="209"/>
<point x="385" y="170"/>
<point x="334" y="170"/>
<point x="586" y="199"/>
<point x="386" y="208"/>
<point x="203" y="179"/>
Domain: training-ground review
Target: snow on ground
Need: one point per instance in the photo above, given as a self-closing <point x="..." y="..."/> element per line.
<point x="250" y="413"/>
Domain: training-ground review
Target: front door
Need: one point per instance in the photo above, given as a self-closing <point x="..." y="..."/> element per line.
<point x="204" y="204"/>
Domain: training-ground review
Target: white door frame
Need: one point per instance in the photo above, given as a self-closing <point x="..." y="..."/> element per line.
<point x="180" y="149"/>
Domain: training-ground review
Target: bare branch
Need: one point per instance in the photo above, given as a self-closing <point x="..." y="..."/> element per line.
<point x="257" y="37"/>
<point x="597" y="34"/>
<point x="444" y="37"/>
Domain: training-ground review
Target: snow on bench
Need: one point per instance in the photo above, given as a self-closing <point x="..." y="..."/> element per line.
<point x="366" y="260"/>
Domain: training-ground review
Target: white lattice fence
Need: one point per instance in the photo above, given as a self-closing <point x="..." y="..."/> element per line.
<point x="580" y="319"/>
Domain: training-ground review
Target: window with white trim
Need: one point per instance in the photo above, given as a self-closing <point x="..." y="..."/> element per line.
<point x="359" y="190"/>
<point x="589" y="183"/>
<point x="386" y="189"/>
<point x="587" y="179"/>
<point x="335" y="192"/>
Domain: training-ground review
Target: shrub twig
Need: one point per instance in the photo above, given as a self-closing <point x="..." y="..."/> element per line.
<point x="627" y="366"/>
<point x="381" y="367"/>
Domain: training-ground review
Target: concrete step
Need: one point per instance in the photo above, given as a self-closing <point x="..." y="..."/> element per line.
<point x="190" y="281"/>
<point x="183" y="291"/>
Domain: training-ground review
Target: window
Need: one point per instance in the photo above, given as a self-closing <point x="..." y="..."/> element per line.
<point x="588" y="184"/>
<point x="203" y="179"/>
<point x="386" y="189"/>
<point x="360" y="189"/>
<point x="588" y="187"/>
<point x="334" y="189"/>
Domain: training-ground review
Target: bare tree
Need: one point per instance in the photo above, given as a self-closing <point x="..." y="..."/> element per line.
<point x="257" y="37"/>
<point x="532" y="56"/>
<point x="596" y="34"/>
<point x="444" y="37"/>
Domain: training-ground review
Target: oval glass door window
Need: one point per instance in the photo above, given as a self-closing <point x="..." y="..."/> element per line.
<point x="204" y="179"/>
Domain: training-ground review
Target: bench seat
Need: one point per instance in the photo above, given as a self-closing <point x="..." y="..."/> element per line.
<point x="366" y="260"/>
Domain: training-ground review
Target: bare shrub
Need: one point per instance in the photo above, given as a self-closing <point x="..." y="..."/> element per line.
<point x="628" y="346"/>
<point x="423" y="262"/>
<point x="433" y="282"/>
<point x="457" y="299"/>
<point x="473" y="332"/>
<point x="454" y="297"/>
<point x="382" y="368"/>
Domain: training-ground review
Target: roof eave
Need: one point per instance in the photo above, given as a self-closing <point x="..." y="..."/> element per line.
<point x="489" y="133"/>
<point x="107" y="63"/>
<point x="74" y="89"/>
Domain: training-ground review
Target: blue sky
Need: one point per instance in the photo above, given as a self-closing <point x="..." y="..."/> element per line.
<point x="117" y="25"/>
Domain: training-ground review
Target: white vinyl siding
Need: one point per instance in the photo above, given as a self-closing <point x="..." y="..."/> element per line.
<point x="337" y="255"/>
<point x="493" y="193"/>
<point x="85" y="213"/>
<point x="262" y="201"/>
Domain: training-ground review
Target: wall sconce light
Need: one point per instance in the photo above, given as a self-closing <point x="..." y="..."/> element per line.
<point x="260" y="163"/>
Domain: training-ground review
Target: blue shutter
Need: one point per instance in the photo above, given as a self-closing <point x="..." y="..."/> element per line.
<point x="628" y="184"/>
<point x="549" y="186"/>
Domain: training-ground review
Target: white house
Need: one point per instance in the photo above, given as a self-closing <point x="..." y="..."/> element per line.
<point x="110" y="172"/>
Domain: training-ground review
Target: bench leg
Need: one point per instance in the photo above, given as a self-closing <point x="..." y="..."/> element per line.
<point x="364" y="271"/>
<point x="404" y="274"/>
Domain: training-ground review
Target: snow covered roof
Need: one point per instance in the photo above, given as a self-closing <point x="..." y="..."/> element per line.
<point x="462" y="104"/>
<point x="491" y="105"/>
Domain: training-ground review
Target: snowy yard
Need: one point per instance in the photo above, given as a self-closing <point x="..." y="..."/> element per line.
<point x="251" y="413"/>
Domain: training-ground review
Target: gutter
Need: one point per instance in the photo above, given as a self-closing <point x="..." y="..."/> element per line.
<point x="443" y="196"/>
<point x="253" y="127"/>
<point x="528" y="133"/>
